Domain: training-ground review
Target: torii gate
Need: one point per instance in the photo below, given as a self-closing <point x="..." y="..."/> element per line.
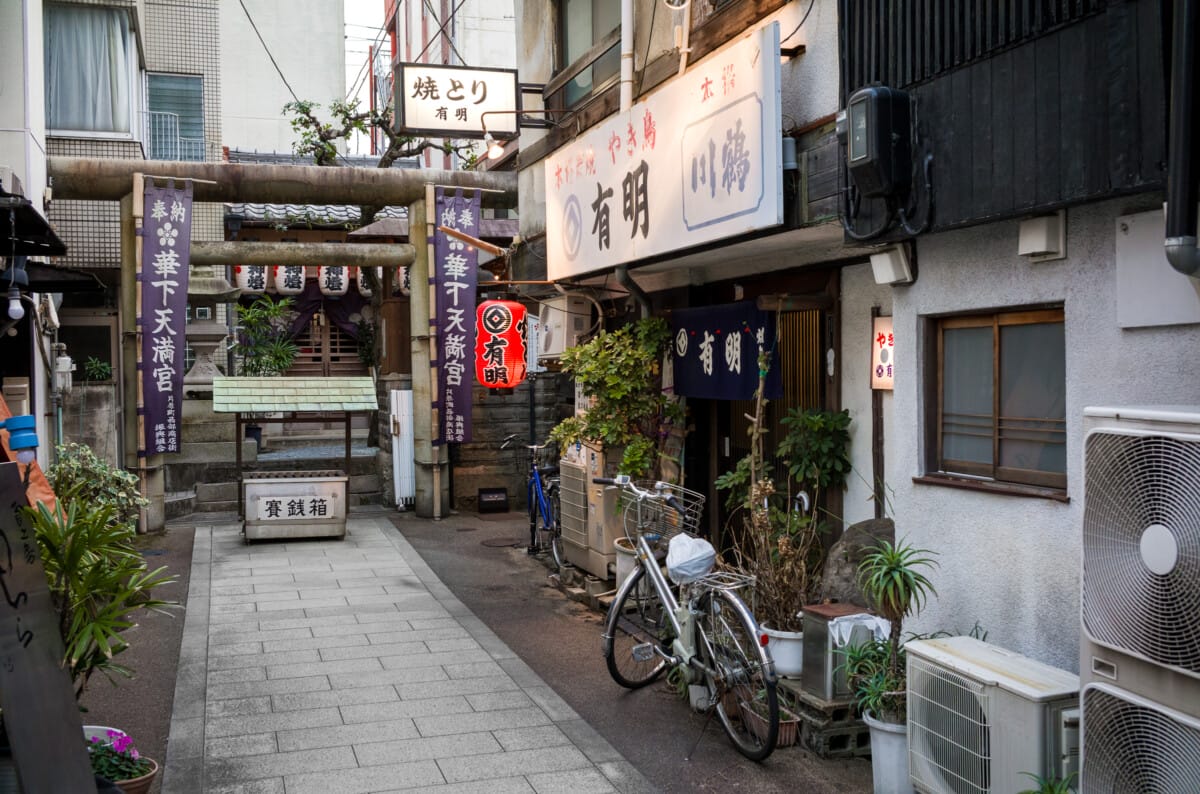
<point x="118" y="180"/>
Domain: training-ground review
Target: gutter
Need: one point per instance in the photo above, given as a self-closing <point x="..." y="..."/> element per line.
<point x="1182" y="193"/>
<point x="626" y="281"/>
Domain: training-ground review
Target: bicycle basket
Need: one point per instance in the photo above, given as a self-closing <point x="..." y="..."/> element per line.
<point x="653" y="516"/>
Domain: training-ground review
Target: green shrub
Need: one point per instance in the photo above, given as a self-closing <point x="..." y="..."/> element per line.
<point x="78" y="475"/>
<point x="98" y="580"/>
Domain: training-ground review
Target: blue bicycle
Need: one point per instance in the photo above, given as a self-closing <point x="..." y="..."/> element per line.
<point x="541" y="497"/>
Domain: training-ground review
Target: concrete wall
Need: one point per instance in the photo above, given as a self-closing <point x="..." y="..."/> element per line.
<point x="809" y="82"/>
<point x="22" y="95"/>
<point x="307" y="39"/>
<point x="1012" y="562"/>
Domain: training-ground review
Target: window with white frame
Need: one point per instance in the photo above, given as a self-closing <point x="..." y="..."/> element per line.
<point x="1001" y="397"/>
<point x="91" y="68"/>
<point x="582" y="25"/>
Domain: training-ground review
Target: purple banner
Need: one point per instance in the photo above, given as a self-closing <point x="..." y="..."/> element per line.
<point x="454" y="263"/>
<point x="715" y="351"/>
<point x="166" y="244"/>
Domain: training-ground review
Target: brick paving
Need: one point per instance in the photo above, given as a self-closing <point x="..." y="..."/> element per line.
<point x="347" y="666"/>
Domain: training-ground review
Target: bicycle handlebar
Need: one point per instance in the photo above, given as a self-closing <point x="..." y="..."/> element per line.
<point x="624" y="481"/>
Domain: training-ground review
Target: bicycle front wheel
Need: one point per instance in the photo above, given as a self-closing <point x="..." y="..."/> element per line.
<point x="554" y="532"/>
<point x="742" y="686"/>
<point x="636" y="625"/>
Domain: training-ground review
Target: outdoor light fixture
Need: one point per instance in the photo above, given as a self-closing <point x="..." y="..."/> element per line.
<point x="22" y="437"/>
<point x="495" y="149"/>
<point x="16" y="278"/>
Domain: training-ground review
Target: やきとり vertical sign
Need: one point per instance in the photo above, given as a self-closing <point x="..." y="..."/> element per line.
<point x="882" y="353"/>
<point x="166" y="249"/>
<point x="40" y="714"/>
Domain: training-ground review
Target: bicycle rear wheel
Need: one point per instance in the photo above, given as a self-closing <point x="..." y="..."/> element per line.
<point x="636" y="624"/>
<point x="743" y="688"/>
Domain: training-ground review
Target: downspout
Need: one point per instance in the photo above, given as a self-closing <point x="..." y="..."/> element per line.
<point x="1182" y="194"/>
<point x="685" y="32"/>
<point x="639" y="294"/>
<point x="626" y="55"/>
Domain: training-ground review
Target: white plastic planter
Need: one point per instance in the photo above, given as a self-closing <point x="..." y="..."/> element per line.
<point x="787" y="650"/>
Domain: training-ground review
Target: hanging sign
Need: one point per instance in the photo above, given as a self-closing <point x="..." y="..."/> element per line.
<point x="454" y="264"/>
<point x="289" y="279"/>
<point x="332" y="280"/>
<point x="882" y="353"/>
<point x="450" y="100"/>
<point x="251" y="279"/>
<point x="500" y="344"/>
<point x="717" y="174"/>
<point x="714" y="352"/>
<point x="166" y="245"/>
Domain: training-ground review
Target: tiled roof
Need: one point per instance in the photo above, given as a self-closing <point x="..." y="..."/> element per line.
<point x="247" y="395"/>
<point x="326" y="214"/>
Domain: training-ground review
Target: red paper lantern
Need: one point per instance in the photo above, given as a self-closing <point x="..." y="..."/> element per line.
<point x="500" y="344"/>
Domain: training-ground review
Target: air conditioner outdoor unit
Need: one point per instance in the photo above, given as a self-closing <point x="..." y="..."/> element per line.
<point x="980" y="716"/>
<point x="1140" y="600"/>
<point x="563" y="320"/>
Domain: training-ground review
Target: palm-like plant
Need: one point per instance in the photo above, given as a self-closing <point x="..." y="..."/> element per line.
<point x="98" y="581"/>
<point x="893" y="580"/>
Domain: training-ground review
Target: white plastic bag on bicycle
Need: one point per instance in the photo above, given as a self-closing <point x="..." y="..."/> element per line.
<point x="689" y="558"/>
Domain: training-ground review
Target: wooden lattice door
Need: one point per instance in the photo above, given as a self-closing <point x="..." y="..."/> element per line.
<point x="326" y="351"/>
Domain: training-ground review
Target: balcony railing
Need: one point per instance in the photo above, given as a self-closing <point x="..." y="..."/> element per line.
<point x="163" y="142"/>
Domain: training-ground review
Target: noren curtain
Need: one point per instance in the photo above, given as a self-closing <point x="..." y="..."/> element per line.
<point x="90" y="60"/>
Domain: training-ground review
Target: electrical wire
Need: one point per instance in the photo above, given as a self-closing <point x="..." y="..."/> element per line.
<point x="803" y="19"/>
<point x="442" y="29"/>
<point x="267" y="50"/>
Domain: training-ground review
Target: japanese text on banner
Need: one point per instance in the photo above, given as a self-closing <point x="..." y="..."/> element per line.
<point x="454" y="290"/>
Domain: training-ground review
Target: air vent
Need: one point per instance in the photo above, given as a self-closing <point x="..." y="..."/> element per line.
<point x="1131" y="744"/>
<point x="1141" y="546"/>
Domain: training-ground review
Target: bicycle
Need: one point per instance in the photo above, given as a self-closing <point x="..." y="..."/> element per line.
<point x="707" y="633"/>
<point x="541" y="498"/>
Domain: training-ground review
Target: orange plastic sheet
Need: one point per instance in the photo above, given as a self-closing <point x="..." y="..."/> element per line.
<point x="39" y="489"/>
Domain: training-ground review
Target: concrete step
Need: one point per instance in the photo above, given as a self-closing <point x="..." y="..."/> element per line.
<point x="217" y="507"/>
<point x="179" y="504"/>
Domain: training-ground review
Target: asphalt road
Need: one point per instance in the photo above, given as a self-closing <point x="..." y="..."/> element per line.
<point x="482" y="559"/>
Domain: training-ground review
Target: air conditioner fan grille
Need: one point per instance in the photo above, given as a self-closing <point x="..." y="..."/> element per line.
<point x="949" y="735"/>
<point x="1135" y="747"/>
<point x="1134" y="482"/>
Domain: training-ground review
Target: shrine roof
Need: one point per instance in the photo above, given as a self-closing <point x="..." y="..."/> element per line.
<point x="258" y="395"/>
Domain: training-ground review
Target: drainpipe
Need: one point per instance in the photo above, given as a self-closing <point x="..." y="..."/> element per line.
<point x="684" y="36"/>
<point x="1182" y="194"/>
<point x="626" y="281"/>
<point x="626" y="55"/>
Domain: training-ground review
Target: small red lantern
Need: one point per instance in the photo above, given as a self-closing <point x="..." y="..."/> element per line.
<point x="500" y="344"/>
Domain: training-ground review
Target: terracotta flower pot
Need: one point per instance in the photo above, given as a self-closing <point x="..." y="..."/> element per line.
<point x="139" y="785"/>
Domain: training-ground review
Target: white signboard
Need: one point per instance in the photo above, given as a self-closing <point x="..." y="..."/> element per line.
<point x="450" y="101"/>
<point x="696" y="161"/>
<point x="882" y="353"/>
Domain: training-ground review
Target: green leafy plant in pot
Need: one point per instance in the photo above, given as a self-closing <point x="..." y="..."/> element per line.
<point x="775" y="533"/>
<point x="893" y="579"/>
<point x="621" y="372"/>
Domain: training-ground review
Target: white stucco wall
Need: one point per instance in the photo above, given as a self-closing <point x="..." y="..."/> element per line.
<point x="1010" y="562"/>
<point x="307" y="39"/>
<point x="810" y="80"/>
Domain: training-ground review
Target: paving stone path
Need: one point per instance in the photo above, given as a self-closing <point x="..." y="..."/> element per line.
<point x="347" y="666"/>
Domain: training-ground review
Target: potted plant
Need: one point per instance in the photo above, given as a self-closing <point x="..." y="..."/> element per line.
<point x="892" y="577"/>
<point x="98" y="580"/>
<point x="264" y="343"/>
<point x="776" y="532"/>
<point x="620" y="371"/>
<point x="117" y="761"/>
